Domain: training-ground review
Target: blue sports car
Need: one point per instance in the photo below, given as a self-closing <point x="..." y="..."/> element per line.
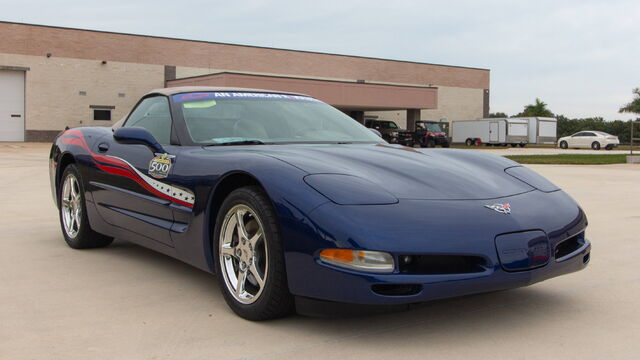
<point x="294" y="205"/>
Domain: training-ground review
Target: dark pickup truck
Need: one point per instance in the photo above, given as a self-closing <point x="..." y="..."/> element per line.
<point x="387" y="128"/>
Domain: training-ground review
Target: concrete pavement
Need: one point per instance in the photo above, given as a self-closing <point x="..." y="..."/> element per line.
<point x="126" y="302"/>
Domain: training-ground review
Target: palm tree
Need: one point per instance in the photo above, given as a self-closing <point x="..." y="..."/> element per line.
<point x="539" y="109"/>
<point x="634" y="105"/>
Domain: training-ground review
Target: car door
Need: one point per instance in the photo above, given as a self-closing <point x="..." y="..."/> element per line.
<point x="493" y="132"/>
<point x="577" y="140"/>
<point x="589" y="138"/>
<point x="127" y="187"/>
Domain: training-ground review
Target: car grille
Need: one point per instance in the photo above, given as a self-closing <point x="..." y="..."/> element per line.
<point x="441" y="264"/>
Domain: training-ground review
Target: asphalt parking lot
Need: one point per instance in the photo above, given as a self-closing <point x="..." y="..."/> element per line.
<point x="126" y="302"/>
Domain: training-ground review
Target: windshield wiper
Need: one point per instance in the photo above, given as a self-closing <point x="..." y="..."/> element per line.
<point x="239" y="142"/>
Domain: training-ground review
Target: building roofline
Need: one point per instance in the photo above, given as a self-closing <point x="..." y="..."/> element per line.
<point x="242" y="45"/>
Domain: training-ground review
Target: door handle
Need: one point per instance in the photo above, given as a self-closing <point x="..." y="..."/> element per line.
<point x="103" y="147"/>
<point x="16" y="115"/>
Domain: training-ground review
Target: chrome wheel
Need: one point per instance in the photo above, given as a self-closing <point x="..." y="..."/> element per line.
<point x="71" y="206"/>
<point x="243" y="254"/>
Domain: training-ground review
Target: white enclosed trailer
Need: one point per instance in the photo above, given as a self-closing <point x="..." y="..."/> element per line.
<point x="542" y="130"/>
<point x="491" y="131"/>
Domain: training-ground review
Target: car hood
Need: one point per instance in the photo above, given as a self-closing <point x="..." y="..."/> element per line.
<point x="408" y="173"/>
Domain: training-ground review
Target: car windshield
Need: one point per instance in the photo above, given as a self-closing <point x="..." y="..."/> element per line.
<point x="429" y="126"/>
<point x="266" y="118"/>
<point x="389" y="125"/>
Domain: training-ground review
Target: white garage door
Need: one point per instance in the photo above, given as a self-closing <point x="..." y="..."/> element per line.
<point x="11" y="105"/>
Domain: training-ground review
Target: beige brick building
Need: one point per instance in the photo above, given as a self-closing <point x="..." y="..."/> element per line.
<point x="52" y="77"/>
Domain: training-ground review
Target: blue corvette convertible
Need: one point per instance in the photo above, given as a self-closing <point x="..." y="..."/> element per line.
<point x="293" y="204"/>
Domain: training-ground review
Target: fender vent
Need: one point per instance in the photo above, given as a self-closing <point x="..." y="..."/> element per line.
<point x="569" y="245"/>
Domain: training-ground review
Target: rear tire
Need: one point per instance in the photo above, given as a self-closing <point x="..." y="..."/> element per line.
<point x="595" y="145"/>
<point x="609" y="147"/>
<point x="522" y="145"/>
<point x="470" y="142"/>
<point x="74" y="221"/>
<point x="254" y="254"/>
<point x="514" y="145"/>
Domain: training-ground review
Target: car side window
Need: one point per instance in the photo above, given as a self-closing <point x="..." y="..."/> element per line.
<point x="154" y="115"/>
<point x="578" y="134"/>
<point x="589" y="134"/>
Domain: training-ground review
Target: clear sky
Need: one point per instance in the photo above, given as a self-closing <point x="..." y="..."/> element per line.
<point x="581" y="57"/>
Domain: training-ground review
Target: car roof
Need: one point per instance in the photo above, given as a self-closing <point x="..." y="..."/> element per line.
<point x="186" y="89"/>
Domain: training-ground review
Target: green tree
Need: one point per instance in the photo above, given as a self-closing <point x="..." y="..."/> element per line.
<point x="634" y="105"/>
<point x="498" y="115"/>
<point x="539" y="108"/>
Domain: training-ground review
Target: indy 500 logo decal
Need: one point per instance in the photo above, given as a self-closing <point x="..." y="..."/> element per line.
<point x="160" y="165"/>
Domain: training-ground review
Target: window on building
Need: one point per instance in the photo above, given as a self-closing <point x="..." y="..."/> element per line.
<point x="102" y="114"/>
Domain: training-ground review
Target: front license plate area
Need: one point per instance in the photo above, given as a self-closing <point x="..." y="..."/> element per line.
<point x="523" y="251"/>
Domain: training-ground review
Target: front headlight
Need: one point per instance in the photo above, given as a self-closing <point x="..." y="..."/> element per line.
<point x="370" y="261"/>
<point x="349" y="190"/>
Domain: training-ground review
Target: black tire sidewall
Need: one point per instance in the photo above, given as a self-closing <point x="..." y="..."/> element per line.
<point x="563" y="145"/>
<point x="254" y="198"/>
<point x="595" y="145"/>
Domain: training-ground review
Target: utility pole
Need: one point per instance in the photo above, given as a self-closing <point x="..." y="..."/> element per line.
<point x="633" y="133"/>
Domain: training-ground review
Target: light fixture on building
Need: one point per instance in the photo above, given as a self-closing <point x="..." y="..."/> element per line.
<point x="48" y="55"/>
<point x="104" y="62"/>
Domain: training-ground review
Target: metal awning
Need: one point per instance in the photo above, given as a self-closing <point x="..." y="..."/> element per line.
<point x="352" y="95"/>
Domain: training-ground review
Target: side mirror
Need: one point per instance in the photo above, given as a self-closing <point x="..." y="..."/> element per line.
<point x="137" y="135"/>
<point x="376" y="132"/>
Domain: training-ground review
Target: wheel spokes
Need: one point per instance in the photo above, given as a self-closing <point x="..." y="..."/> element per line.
<point x="243" y="254"/>
<point x="256" y="274"/>
<point x="242" y="278"/>
<point x="242" y="230"/>
<point x="228" y="250"/>
<point x="254" y="239"/>
<point x="71" y="206"/>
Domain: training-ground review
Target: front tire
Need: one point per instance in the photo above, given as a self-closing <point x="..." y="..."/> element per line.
<point x="249" y="256"/>
<point x="595" y="145"/>
<point x="563" y="145"/>
<point x="73" y="213"/>
<point x="470" y="142"/>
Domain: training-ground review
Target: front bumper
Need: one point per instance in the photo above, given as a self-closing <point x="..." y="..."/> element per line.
<point x="456" y="227"/>
<point x="441" y="140"/>
<point x="357" y="287"/>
